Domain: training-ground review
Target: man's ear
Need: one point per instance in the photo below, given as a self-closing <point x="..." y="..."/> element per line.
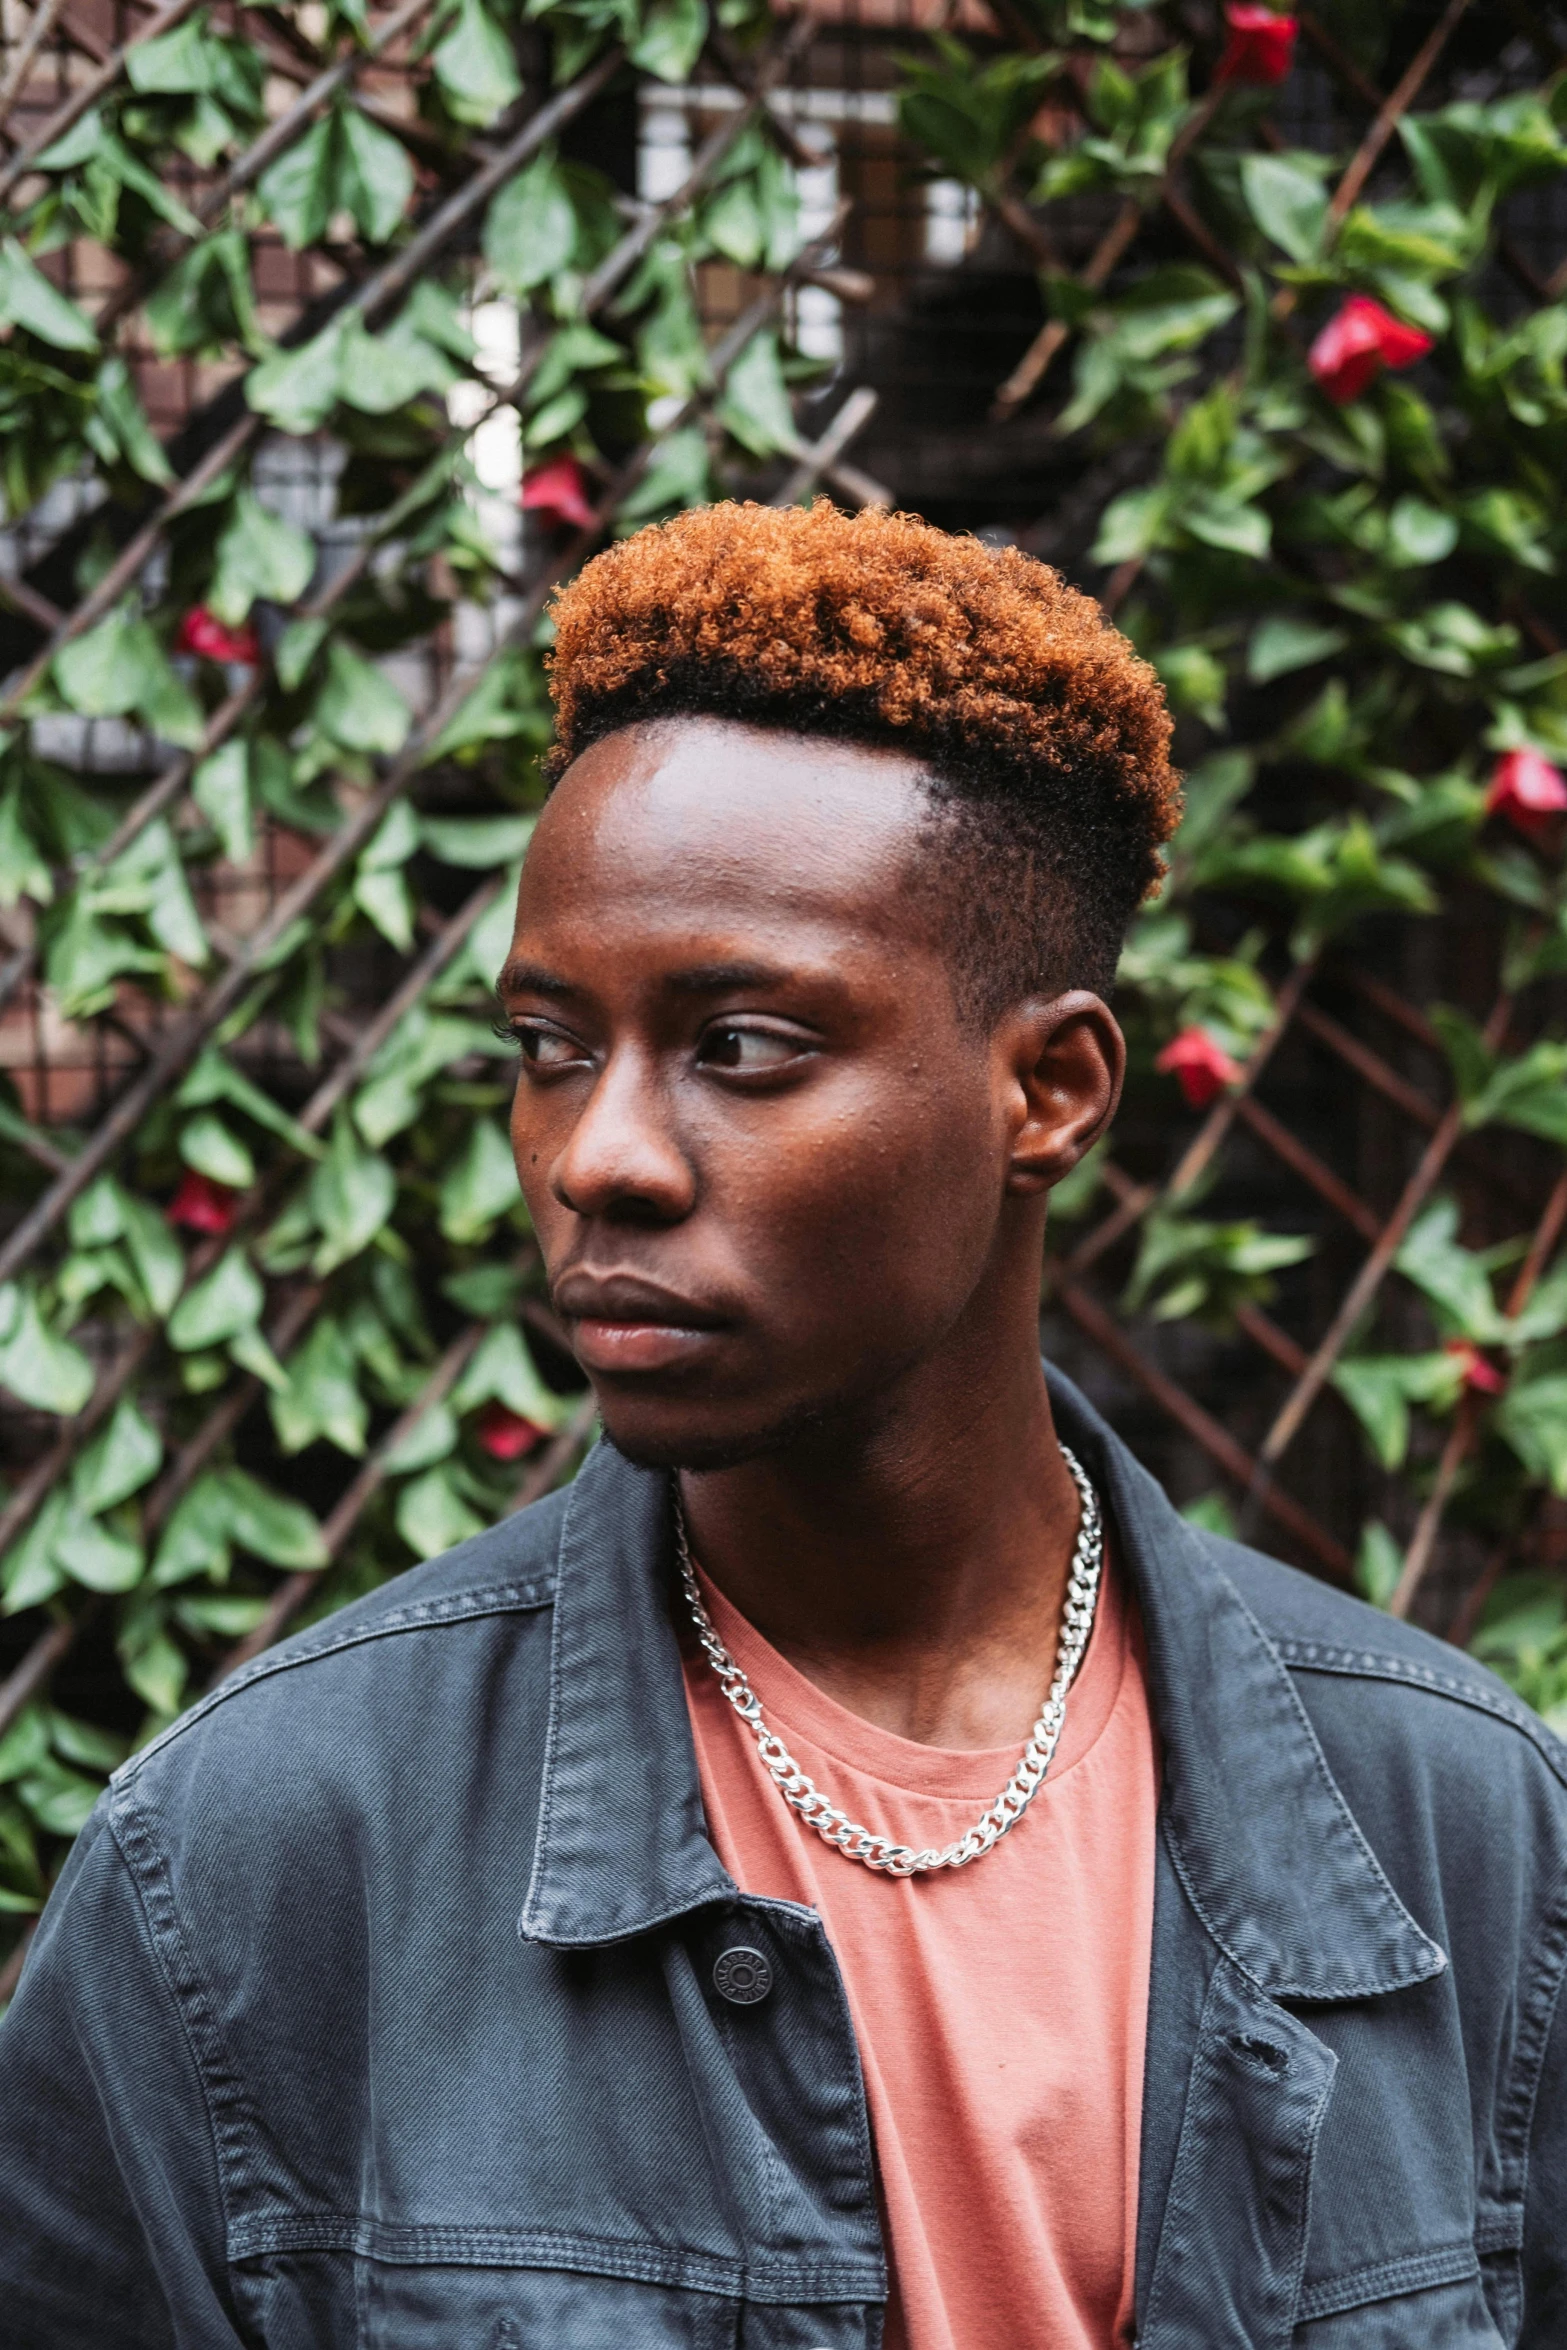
<point x="1066" y="1059"/>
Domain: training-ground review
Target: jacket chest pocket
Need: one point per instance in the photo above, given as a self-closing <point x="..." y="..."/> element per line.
<point x="1451" y="2316"/>
<point x="424" y="2307"/>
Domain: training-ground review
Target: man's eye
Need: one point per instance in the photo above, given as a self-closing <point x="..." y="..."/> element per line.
<point x="749" y="1050"/>
<point x="546" y="1048"/>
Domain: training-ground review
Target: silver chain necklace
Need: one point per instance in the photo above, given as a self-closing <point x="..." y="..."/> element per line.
<point x="835" y="1827"/>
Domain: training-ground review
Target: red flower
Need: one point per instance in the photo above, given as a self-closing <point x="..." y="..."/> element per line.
<point x="1200" y="1064"/>
<point x="200" y="633"/>
<point x="505" y="1434"/>
<point x="1527" y="790"/>
<point x="1479" y="1376"/>
<point x="1260" y="49"/>
<point x="1355" y="346"/>
<point x="202" y="1205"/>
<point x="558" y="493"/>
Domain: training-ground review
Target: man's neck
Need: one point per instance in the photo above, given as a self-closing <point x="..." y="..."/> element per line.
<point x="913" y="1568"/>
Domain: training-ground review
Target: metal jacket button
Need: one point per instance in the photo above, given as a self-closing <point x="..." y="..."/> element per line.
<point x="743" y="1976"/>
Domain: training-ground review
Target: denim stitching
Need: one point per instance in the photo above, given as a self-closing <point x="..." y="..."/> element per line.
<point x="1383" y="2280"/>
<point x="222" y="2096"/>
<point x="763" y="2276"/>
<point x="1376" y="1664"/>
<point x="498" y="1599"/>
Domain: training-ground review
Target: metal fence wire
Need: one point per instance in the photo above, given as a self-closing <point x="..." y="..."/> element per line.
<point x="333" y="340"/>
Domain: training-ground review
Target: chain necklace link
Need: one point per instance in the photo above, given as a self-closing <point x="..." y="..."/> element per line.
<point x="835" y="1827"/>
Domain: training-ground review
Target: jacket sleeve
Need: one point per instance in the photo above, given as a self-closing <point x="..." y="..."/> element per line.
<point x="110" y="2215"/>
<point x="1545" y="2209"/>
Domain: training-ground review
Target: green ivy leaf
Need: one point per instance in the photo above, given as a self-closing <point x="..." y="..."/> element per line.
<point x="28" y="300"/>
<point x="1532" y="1418"/>
<point x="98" y="1556"/>
<point x="432" y="1438"/>
<point x="530" y="230"/>
<point x="39" y="1366"/>
<point x="755" y="404"/>
<point x="1286" y="198"/>
<point x="220" y="788"/>
<point x="282" y="1532"/>
<point x="433" y="1517"/>
<point x="228" y="1301"/>
<point x="259" y="554"/>
<point x="1378" y="1564"/>
<point x="481" y="1185"/>
<point x="357" y="706"/>
<point x="501" y="1371"/>
<point x="214" y="1149"/>
<point x="118" y="1461"/>
<point x="1282" y="644"/>
<point x="351" y="1198"/>
<point x="475" y="67"/>
<point x="322" y="1396"/>
<point x="1451" y="1277"/>
<point x="298" y="389"/>
<point x="670" y="40"/>
<point x="1379" y="1390"/>
<point x="374" y="177"/>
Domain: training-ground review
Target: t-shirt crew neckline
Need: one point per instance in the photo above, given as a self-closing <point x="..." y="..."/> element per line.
<point x="794" y="1704"/>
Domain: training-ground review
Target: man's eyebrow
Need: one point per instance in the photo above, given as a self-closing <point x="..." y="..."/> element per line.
<point x="520" y="978"/>
<point x="719" y="978"/>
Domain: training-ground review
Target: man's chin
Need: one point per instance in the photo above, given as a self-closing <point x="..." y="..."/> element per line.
<point x="687" y="1443"/>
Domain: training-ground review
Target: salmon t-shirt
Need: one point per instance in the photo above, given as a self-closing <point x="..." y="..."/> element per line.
<point x="1000" y="2009"/>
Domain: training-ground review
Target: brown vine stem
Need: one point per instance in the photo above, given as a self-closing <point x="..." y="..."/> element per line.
<point x="1372" y="1273"/>
<point x="611" y="273"/>
<point x="1221" y="1447"/>
<point x="1461" y="1436"/>
<point x="22" y="1505"/>
<point x="11" y="1972"/>
<point x="291" y="1594"/>
<point x="1399" y="98"/>
<point x="1199" y="1151"/>
<point x="247" y="168"/>
<point x="368" y="300"/>
<point x="22" y="64"/>
<point x="92" y="88"/>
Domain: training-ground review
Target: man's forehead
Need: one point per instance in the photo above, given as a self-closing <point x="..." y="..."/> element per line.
<point x="693" y="809"/>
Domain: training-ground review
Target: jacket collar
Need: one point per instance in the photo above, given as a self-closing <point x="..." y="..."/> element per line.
<point x="1265" y="1845"/>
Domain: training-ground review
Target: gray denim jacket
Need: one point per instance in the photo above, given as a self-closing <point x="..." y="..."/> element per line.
<point x="377" y="2005"/>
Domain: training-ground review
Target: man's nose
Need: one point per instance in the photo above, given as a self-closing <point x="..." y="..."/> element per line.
<point x="623" y="1157"/>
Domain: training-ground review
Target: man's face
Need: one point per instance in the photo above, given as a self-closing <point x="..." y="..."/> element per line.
<point x="765" y="1159"/>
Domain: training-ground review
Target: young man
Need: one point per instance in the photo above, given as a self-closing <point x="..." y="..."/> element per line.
<point x="655" y="1923"/>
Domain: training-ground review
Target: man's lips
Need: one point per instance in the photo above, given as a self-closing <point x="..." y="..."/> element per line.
<point x="620" y="1323"/>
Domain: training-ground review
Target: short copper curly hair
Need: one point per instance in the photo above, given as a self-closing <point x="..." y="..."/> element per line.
<point x="1045" y="740"/>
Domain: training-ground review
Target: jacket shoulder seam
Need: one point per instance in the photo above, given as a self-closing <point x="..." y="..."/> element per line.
<point x="219" y="2085"/>
<point x="494" y="1599"/>
<point x="1322" y="1656"/>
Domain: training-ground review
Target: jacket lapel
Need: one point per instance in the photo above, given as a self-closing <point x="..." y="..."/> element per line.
<point x="1266" y="1892"/>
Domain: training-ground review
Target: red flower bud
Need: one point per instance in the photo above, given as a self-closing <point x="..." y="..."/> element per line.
<point x="1527" y="790"/>
<point x="1479" y="1376"/>
<point x="558" y="494"/>
<point x="1260" y="49"/>
<point x="202" y="1205"/>
<point x="200" y="633"/>
<point x="505" y="1434"/>
<point x="1355" y="346"/>
<point x="1200" y="1065"/>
